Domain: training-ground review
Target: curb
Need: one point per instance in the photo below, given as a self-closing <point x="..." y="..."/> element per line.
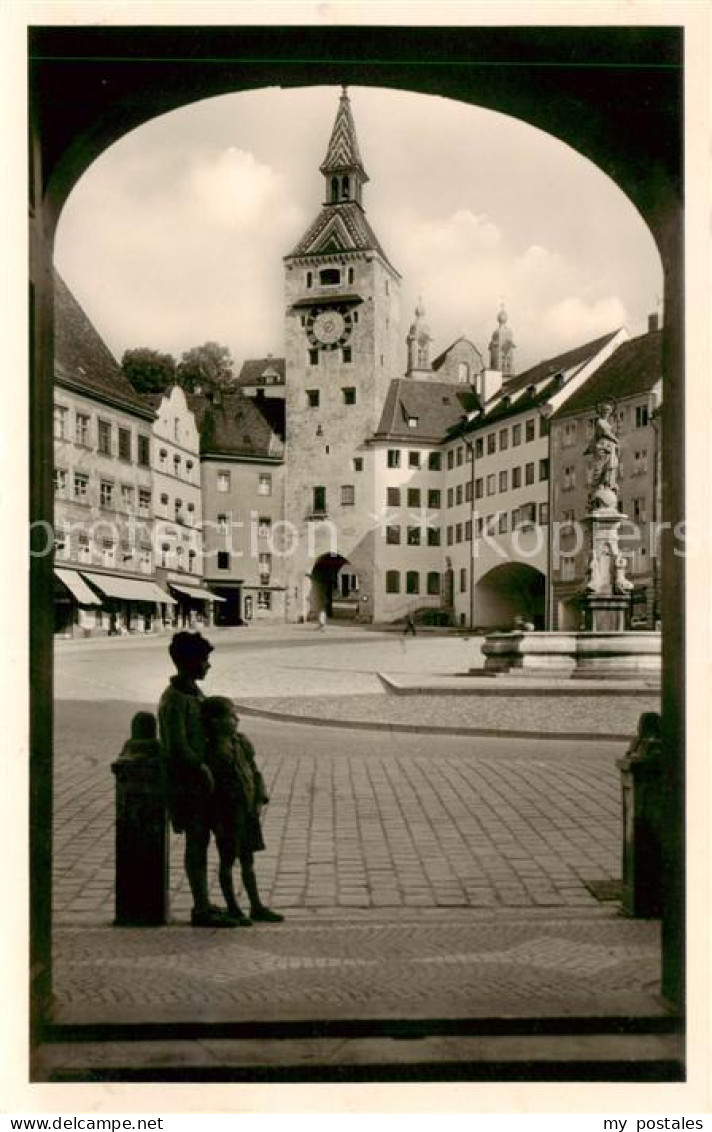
<point x="429" y="729"/>
<point x="492" y="686"/>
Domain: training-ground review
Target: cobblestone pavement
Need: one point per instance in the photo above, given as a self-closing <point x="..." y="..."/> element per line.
<point x="361" y="820"/>
<point x="475" y="967"/>
<point x="414" y="869"/>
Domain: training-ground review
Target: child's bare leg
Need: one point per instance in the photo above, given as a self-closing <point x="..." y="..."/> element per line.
<point x="258" y="911"/>
<point x="227" y="860"/>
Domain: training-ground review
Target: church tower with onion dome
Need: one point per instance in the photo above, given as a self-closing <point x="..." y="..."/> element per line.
<point x="502" y="347"/>
<point x="343" y="346"/>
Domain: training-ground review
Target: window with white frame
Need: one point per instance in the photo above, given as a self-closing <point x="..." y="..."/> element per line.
<point x="81" y="429"/>
<point x="641" y="416"/>
<point x="264" y="483"/>
<point x="81" y="486"/>
<point x="569" y="478"/>
<point x="144" y="501"/>
<point x="640" y="464"/>
<point x="83" y="549"/>
<point x="60" y="422"/>
<point x="106" y="494"/>
<point x="264" y="599"/>
<point x="348" y="495"/>
<point x="265" y="568"/>
<point x="127" y="497"/>
<point x="223" y="482"/>
<point x="393" y="458"/>
<point x="60" y="483"/>
<point x="104" y="438"/>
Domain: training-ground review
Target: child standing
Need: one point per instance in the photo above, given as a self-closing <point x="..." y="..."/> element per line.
<point x="236" y="806"/>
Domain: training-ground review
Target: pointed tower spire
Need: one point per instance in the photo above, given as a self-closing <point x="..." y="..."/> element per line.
<point x="342" y="167"/>
<point x="419" y="339"/>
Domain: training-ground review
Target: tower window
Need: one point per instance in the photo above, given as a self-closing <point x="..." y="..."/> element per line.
<point x="313" y="398"/>
<point x="349" y="394"/>
<point x="346" y="358"/>
<point x="334" y="190"/>
<point x="344" y="188"/>
<point x="319" y="500"/>
<point x="358" y="463"/>
<point x="310" y="278"/>
<point x="348" y="495"/>
<point x="351" y="275"/>
<point x="330" y="277"/>
<point x="313" y="357"/>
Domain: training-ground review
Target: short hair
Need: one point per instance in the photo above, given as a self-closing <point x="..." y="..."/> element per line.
<point x="189" y="646"/>
<point x="213" y="707"/>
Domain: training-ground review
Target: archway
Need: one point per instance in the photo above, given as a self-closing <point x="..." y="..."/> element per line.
<point x="334" y="588"/>
<point x="508" y="593"/>
<point x="91" y="85"/>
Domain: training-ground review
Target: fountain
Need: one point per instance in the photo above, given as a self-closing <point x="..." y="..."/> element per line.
<point x="604" y="647"/>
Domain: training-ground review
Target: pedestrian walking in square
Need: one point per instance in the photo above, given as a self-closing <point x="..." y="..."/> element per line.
<point x="236" y="806"/>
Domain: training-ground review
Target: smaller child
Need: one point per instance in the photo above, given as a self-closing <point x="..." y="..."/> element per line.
<point x="237" y="802"/>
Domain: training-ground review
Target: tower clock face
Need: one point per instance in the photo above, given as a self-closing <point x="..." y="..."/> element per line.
<point x="328" y="328"/>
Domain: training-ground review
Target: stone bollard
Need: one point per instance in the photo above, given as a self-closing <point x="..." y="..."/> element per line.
<point x="141" y="828"/>
<point x="641" y="782"/>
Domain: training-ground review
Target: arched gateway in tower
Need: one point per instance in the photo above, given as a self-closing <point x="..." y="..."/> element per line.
<point x="342" y="343"/>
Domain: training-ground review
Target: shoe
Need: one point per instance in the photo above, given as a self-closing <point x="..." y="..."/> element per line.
<point x="238" y="918"/>
<point x="211" y="918"/>
<point x="264" y="915"/>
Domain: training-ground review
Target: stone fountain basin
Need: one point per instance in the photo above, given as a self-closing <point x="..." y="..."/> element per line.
<point x="577" y="654"/>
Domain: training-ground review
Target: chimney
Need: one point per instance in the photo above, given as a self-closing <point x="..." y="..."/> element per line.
<point x="653" y="323"/>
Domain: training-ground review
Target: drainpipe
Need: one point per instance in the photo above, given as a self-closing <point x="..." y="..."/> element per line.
<point x="545" y="413"/>
<point x="471" y="447"/>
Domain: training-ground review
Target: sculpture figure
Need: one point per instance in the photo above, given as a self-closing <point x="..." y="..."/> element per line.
<point x="604" y="448"/>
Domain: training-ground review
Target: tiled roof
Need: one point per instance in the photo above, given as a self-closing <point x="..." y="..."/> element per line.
<point x="254" y="369"/>
<point x="571" y="359"/>
<point x="634" y="368"/>
<point x="82" y="358"/>
<point x="342" y="151"/>
<point x="235" y="426"/>
<point x="339" y="228"/>
<point x="436" y="406"/>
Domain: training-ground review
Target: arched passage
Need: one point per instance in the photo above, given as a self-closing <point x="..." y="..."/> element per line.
<point x="613" y="94"/>
<point x="334" y="588"/>
<point x="510" y="592"/>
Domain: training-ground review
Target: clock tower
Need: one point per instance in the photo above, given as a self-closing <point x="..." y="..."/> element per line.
<point x="342" y="347"/>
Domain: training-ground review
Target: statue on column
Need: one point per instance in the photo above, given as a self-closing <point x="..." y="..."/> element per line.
<point x="604" y="448"/>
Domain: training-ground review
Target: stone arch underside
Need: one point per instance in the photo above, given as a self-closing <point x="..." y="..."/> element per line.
<point x="510" y="591"/>
<point x="613" y="94"/>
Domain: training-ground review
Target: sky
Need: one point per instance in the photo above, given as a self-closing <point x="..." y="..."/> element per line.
<point x="176" y="234"/>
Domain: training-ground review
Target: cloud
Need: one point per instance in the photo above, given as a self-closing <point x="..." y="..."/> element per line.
<point x="573" y="320"/>
<point x="233" y="189"/>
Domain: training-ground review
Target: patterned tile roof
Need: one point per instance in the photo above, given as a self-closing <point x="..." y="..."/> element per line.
<point x="83" y="359"/>
<point x="435" y="405"/>
<point x="343" y="152"/>
<point x="339" y="228"/>
<point x="634" y="368"/>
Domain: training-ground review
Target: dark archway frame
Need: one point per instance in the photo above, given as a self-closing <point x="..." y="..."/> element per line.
<point x="613" y="94"/>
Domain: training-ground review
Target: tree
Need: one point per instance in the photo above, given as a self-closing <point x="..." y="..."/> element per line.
<point x="148" y="370"/>
<point x="204" y="367"/>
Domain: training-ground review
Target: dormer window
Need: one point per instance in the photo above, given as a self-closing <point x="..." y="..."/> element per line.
<point x="412" y="422"/>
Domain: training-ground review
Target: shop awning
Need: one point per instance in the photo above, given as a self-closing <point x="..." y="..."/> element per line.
<point x="77" y="587"/>
<point x="129" y="589"/>
<point x="196" y="592"/>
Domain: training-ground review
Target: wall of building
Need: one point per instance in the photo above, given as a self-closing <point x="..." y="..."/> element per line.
<point x="238" y="492"/>
<point x="325" y="444"/>
<point x="509" y="537"/>
<point x="177" y="488"/>
<point x="94" y="530"/>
